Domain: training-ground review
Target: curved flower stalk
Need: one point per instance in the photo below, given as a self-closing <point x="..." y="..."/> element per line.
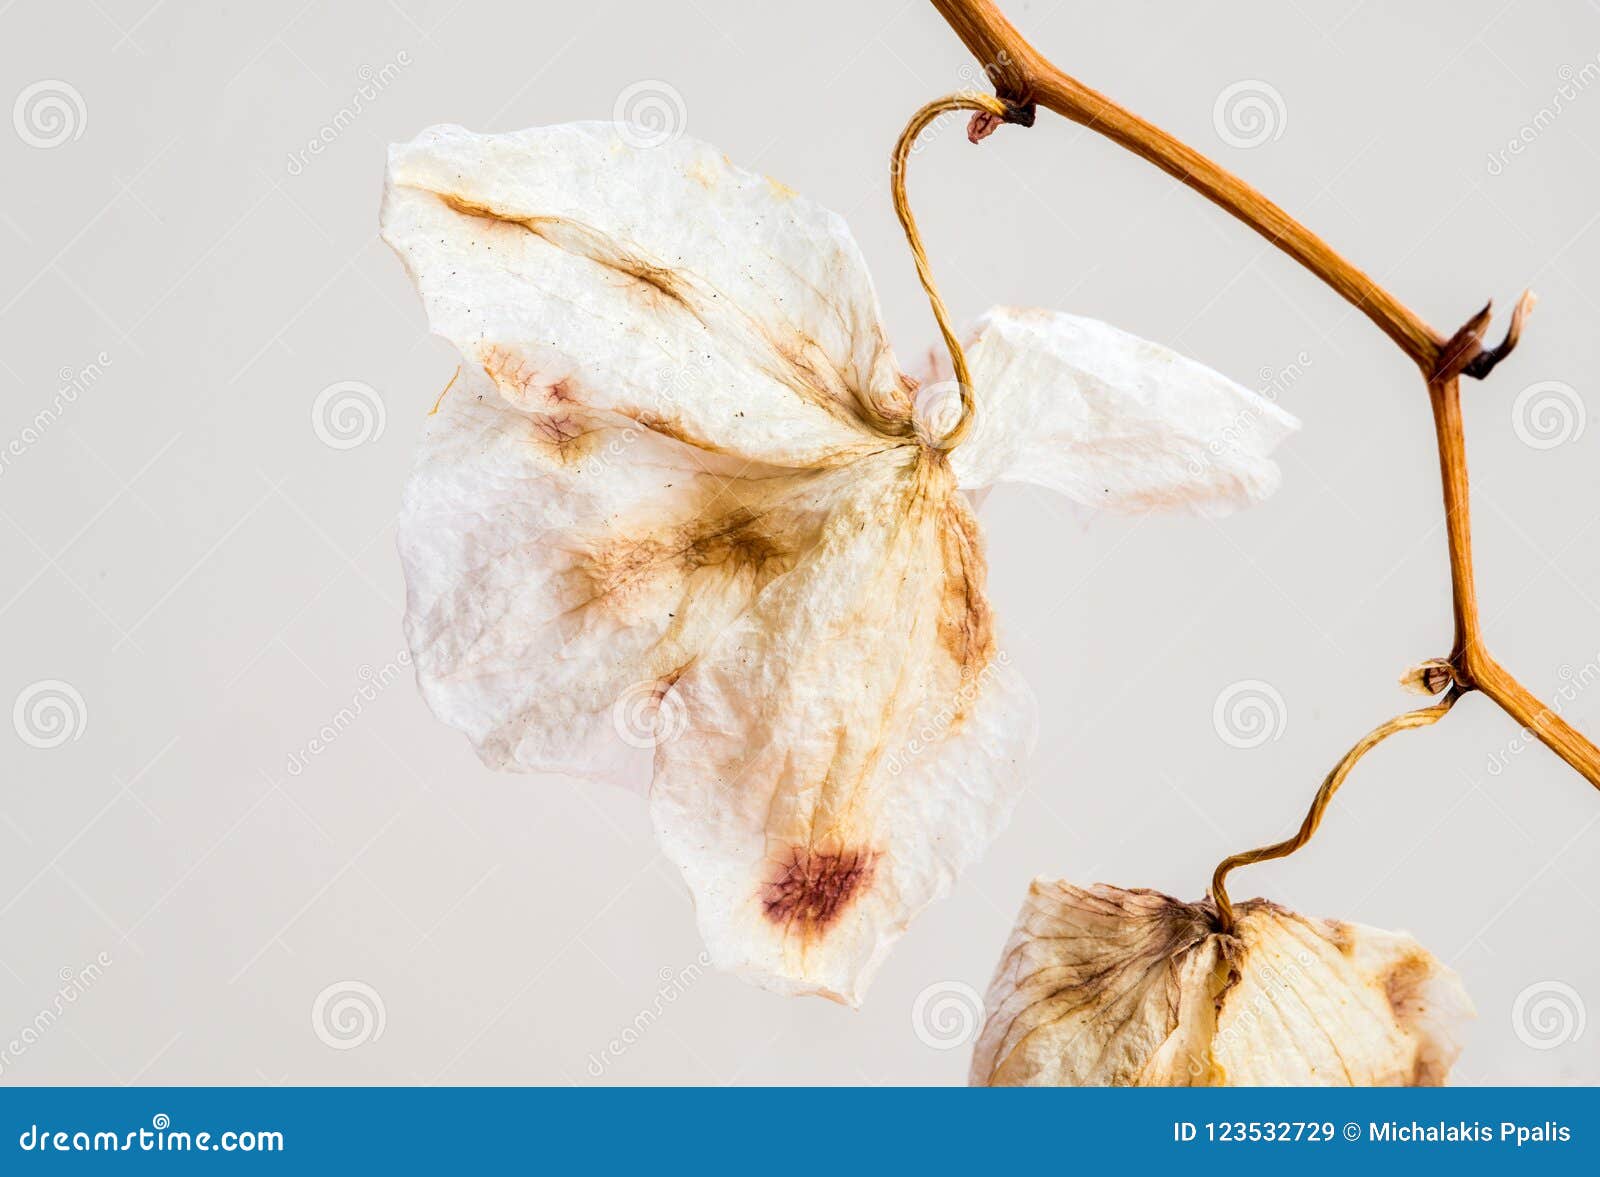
<point x="1106" y="987"/>
<point x="682" y="516"/>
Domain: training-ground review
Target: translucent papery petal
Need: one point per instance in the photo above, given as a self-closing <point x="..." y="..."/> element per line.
<point x="851" y="743"/>
<point x="1106" y="987"/>
<point x="659" y="286"/>
<point x="562" y="570"/>
<point x="1109" y="419"/>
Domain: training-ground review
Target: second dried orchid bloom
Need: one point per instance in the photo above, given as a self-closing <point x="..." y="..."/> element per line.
<point x="1102" y="987"/>
<point x="680" y="498"/>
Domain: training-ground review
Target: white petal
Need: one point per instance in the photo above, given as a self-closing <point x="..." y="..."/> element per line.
<point x="562" y="569"/>
<point x="852" y="742"/>
<point x="661" y="285"/>
<point x="676" y="499"/>
<point x="1106" y="987"/>
<point x="642" y="327"/>
<point x="1112" y="420"/>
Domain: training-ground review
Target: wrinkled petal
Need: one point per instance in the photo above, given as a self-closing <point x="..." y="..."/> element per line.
<point x="1106" y="987"/>
<point x="675" y="502"/>
<point x="851" y="744"/>
<point x="664" y="357"/>
<point x="561" y="570"/>
<point x="1112" y="420"/>
<point x="660" y="286"/>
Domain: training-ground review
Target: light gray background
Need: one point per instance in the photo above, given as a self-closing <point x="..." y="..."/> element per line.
<point x="216" y="583"/>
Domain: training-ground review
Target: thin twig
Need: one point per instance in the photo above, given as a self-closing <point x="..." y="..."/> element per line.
<point x="986" y="105"/>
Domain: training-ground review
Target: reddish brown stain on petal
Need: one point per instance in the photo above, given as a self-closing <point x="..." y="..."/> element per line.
<point x="720" y="538"/>
<point x="1403" y="981"/>
<point x="811" y="889"/>
<point x="622" y="572"/>
<point x="740" y="541"/>
<point x="1404" y="985"/>
<point x="522" y="380"/>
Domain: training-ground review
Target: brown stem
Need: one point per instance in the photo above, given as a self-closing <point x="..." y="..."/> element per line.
<point x="1446" y="397"/>
<point x="1023" y="77"/>
<point x="1537" y="717"/>
<point x="987" y="107"/>
<point x="1422" y="717"/>
<point x="1474" y="667"/>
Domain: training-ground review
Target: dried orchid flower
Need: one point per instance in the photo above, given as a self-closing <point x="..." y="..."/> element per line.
<point x="1106" y="987"/>
<point x="682" y="501"/>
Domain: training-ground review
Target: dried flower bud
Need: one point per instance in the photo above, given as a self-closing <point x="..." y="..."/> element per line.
<point x="1428" y="678"/>
<point x="1106" y="987"/>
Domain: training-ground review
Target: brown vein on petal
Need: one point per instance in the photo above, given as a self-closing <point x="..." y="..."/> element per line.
<point x="563" y="438"/>
<point x="1162" y="934"/>
<point x="794" y="358"/>
<point x="659" y="284"/>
